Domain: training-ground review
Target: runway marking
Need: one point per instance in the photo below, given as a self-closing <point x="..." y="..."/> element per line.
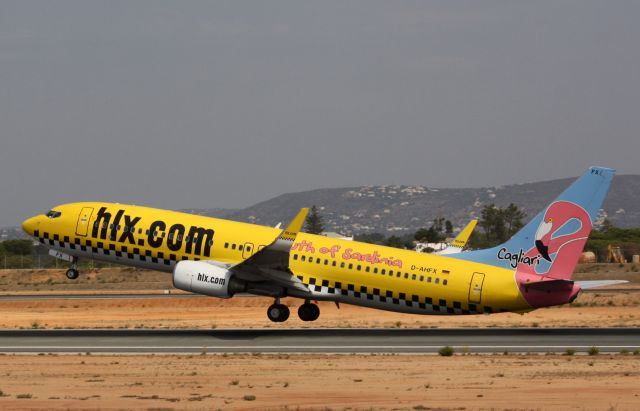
<point x="307" y="347"/>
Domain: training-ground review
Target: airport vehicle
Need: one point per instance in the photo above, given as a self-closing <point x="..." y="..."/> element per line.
<point x="221" y="258"/>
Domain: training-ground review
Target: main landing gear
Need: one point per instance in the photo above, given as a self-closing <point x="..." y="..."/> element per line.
<point x="279" y="312"/>
<point x="73" y="273"/>
<point x="308" y="311"/>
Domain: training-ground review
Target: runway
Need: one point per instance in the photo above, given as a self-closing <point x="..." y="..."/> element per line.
<point x="319" y="340"/>
<point x="145" y="296"/>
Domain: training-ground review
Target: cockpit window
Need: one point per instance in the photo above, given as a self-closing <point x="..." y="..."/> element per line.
<point x="53" y="214"/>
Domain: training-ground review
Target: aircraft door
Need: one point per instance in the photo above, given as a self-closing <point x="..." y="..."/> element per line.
<point x="247" y="250"/>
<point x="83" y="221"/>
<point x="475" y="288"/>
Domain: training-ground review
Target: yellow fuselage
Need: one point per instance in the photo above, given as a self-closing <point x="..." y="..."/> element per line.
<point x="333" y="269"/>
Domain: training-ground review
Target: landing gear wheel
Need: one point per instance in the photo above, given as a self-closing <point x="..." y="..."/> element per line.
<point x="72" y="273"/>
<point x="278" y="313"/>
<point x="308" y="312"/>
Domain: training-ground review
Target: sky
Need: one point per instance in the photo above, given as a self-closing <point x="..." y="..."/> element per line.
<point x="203" y="104"/>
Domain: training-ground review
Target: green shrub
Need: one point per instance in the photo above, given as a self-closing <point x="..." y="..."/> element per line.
<point x="446" y="351"/>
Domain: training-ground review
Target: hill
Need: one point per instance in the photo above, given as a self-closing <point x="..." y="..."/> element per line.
<point x="402" y="209"/>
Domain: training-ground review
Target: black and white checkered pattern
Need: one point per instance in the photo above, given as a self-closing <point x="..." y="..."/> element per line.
<point x="426" y="304"/>
<point x="324" y="287"/>
<point x="99" y="247"/>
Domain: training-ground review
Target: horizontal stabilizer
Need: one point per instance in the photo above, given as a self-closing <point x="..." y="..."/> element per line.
<point x="585" y="285"/>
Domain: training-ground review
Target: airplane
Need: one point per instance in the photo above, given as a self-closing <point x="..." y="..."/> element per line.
<point x="221" y="258"/>
<point x="458" y="243"/>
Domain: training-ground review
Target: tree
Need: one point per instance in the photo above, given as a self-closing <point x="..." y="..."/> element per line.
<point x="433" y="234"/>
<point x="315" y="223"/>
<point x="513" y="217"/>
<point x="18" y="247"/>
<point x="448" y="228"/>
<point x="492" y="224"/>
<point x="498" y="225"/>
<point x="371" y="238"/>
<point x="399" y="242"/>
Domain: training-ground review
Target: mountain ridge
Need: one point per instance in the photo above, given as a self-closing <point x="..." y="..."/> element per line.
<point x="399" y="209"/>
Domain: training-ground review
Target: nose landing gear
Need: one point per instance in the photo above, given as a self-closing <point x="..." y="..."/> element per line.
<point x="73" y="273"/>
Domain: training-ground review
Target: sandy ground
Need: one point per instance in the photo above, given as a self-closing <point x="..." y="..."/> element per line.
<point x="204" y="382"/>
<point x="257" y="382"/>
<point x="593" y="310"/>
<point x="620" y="309"/>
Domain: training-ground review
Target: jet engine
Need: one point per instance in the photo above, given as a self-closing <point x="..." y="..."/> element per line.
<point x="204" y="278"/>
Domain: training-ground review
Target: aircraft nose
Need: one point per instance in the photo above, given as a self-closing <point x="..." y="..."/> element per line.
<point x="30" y="225"/>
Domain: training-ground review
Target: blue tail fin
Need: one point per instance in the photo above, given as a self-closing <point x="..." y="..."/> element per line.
<point x="551" y="243"/>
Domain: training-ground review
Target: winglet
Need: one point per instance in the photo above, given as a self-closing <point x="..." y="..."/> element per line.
<point x="294" y="227"/>
<point x="461" y="240"/>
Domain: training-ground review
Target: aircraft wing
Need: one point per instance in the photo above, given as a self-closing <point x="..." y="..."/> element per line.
<point x="460" y="241"/>
<point x="272" y="262"/>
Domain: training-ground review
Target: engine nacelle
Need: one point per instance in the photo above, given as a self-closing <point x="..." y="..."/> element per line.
<point x="204" y="278"/>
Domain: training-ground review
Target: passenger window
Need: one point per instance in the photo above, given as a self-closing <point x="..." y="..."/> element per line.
<point x="375" y="270"/>
<point x="318" y="260"/>
<point x="302" y="258"/>
<point x="226" y="245"/>
<point x="383" y="271"/>
<point x="240" y="247"/>
<point x="390" y="273"/>
<point x="367" y="269"/>
<point x="444" y="282"/>
<point x="326" y="262"/>
<point x="334" y="264"/>
<point x="139" y="230"/>
<point x="359" y="267"/>
<point x="437" y="280"/>
<point x="428" y="279"/>
<point x="295" y="257"/>
<point x="341" y="265"/>
<point x="422" y="278"/>
<point x="413" y="277"/>
<point x="350" y="266"/>
<point x="233" y="246"/>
